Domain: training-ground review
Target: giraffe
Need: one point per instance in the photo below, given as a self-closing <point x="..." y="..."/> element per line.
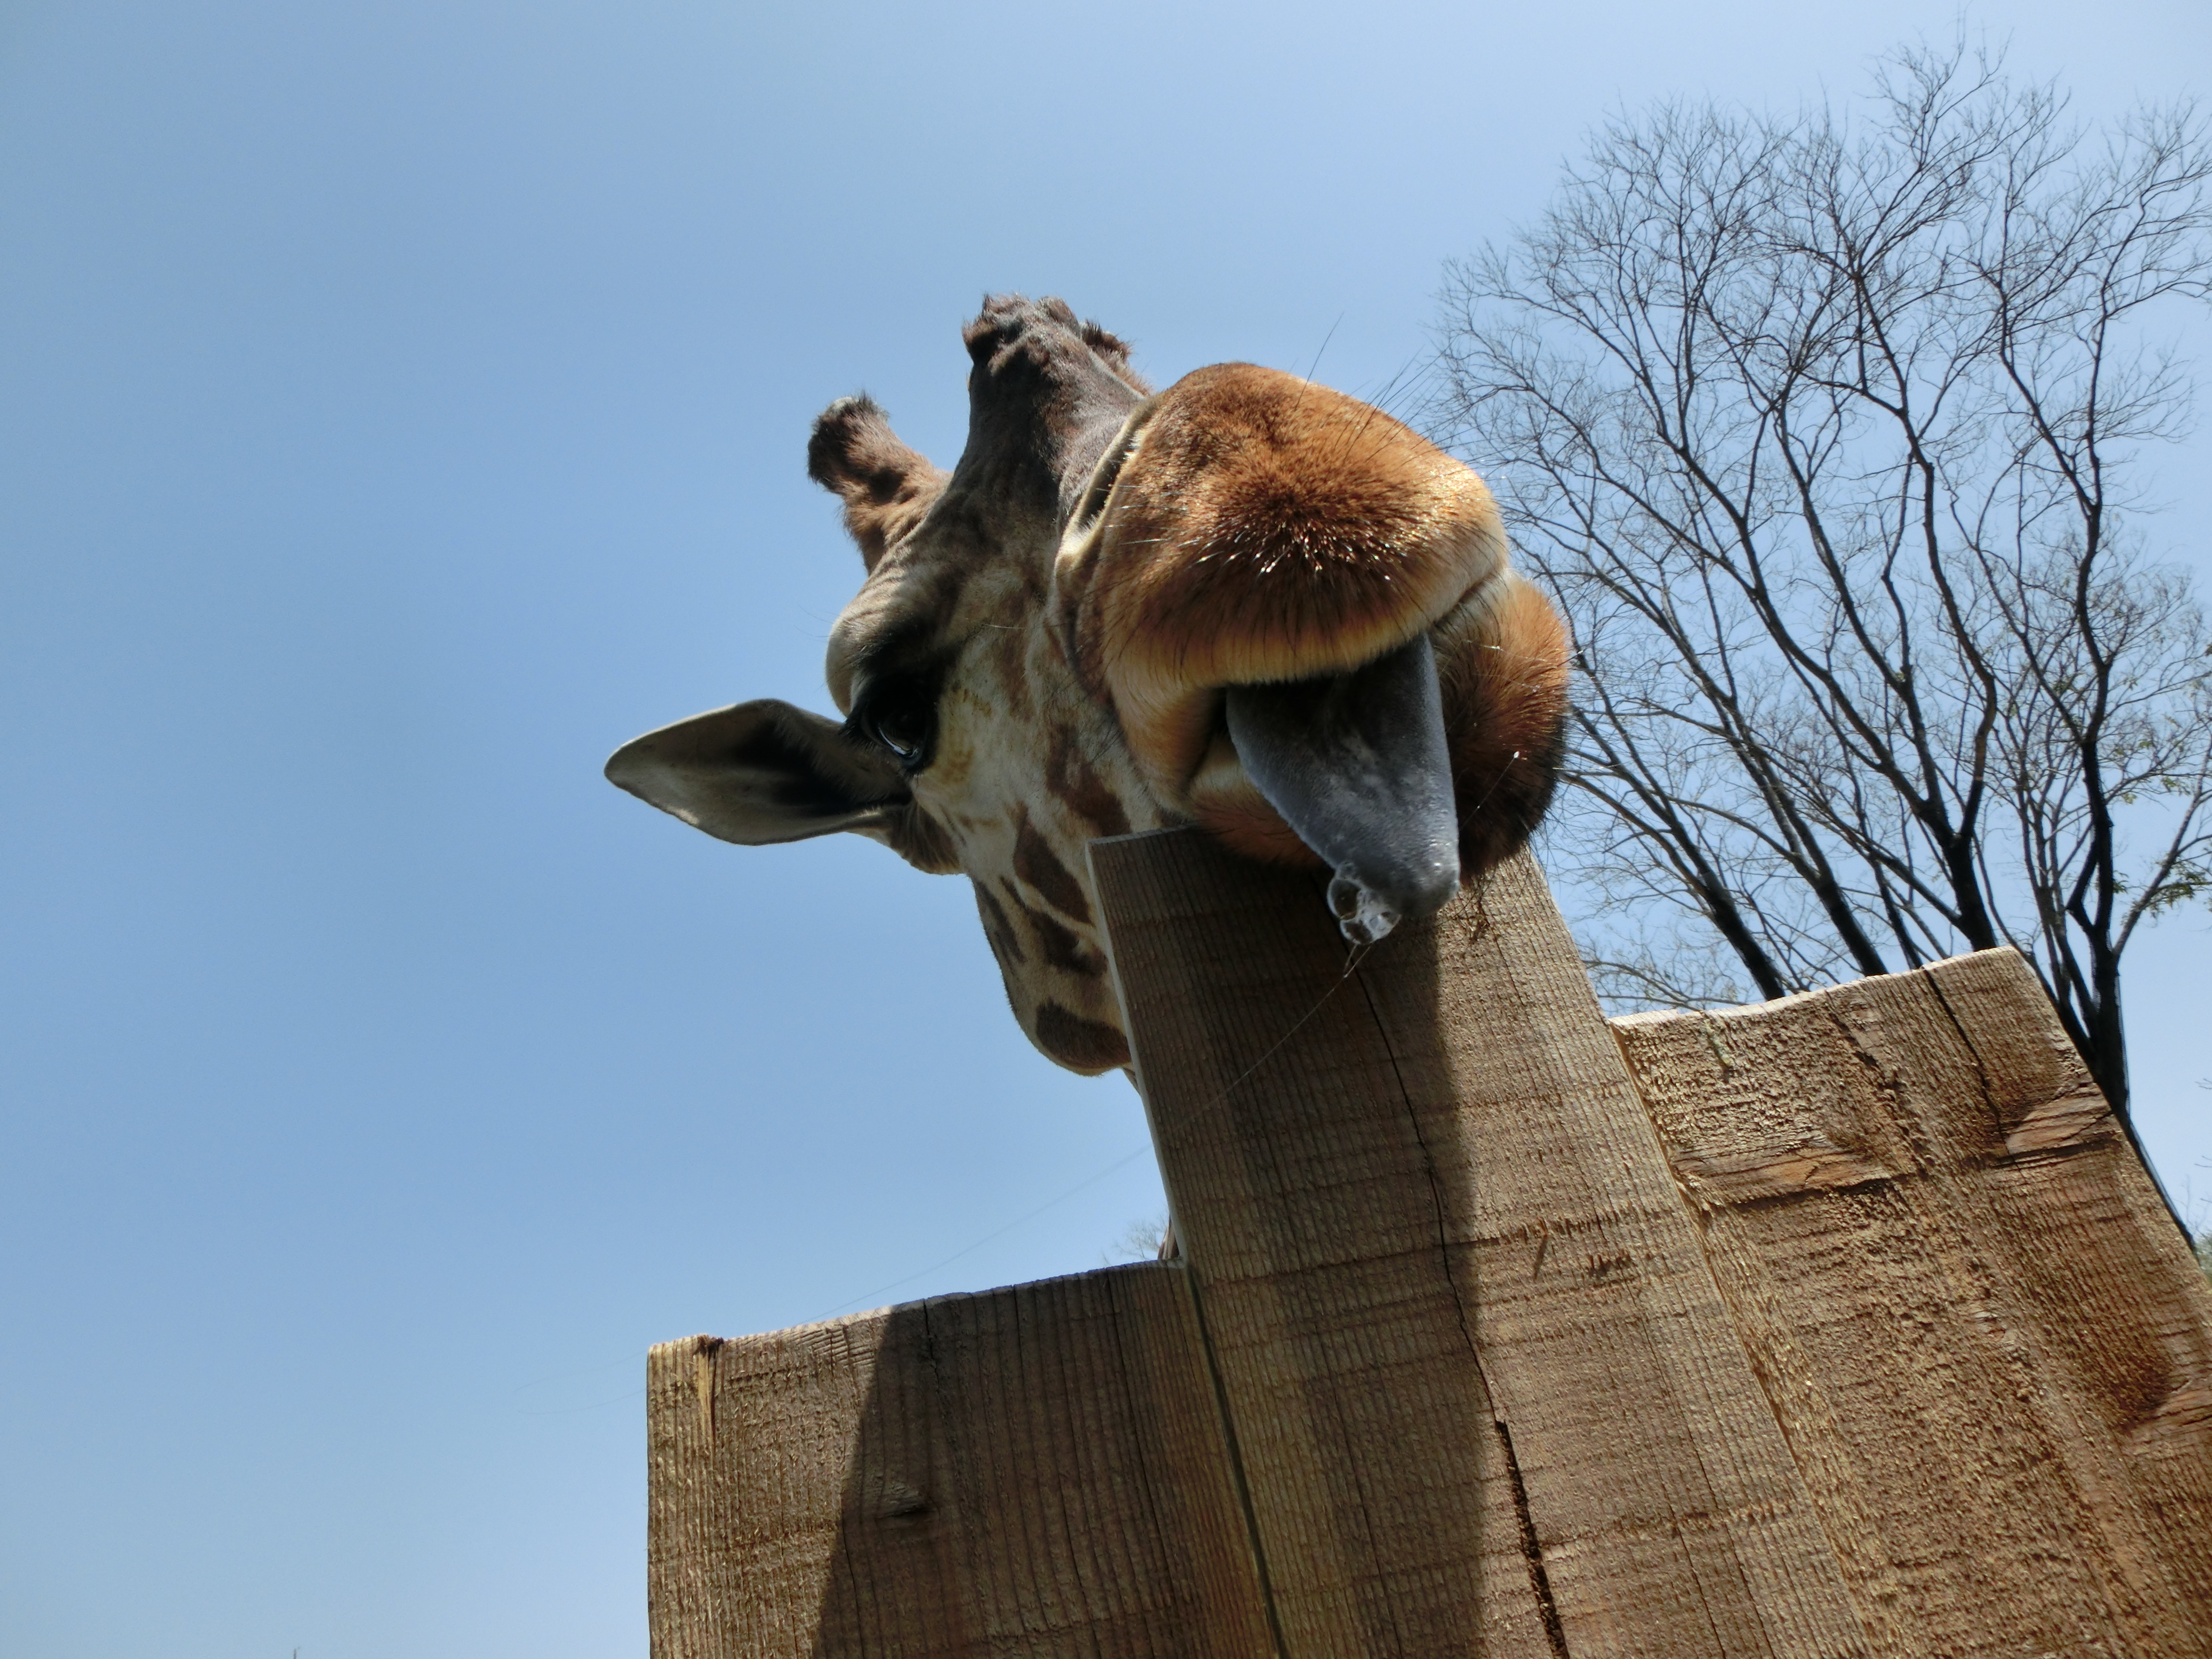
<point x="1246" y="602"/>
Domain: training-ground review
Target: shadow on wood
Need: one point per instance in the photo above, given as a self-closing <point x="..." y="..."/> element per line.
<point x="1030" y="1470"/>
<point x="1315" y="1218"/>
<point x="1485" y="1389"/>
<point x="1841" y="1325"/>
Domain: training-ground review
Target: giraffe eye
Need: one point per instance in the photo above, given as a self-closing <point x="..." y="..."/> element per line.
<point x="902" y="716"/>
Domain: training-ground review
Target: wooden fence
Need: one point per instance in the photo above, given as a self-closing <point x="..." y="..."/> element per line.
<point x="1846" y="1324"/>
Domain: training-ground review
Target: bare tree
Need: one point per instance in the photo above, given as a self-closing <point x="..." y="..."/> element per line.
<point x="1827" y="429"/>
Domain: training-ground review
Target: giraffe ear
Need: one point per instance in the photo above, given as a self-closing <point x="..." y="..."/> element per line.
<point x="886" y="486"/>
<point x="761" y="773"/>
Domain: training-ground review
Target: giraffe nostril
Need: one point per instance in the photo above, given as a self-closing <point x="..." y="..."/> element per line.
<point x="1362" y="913"/>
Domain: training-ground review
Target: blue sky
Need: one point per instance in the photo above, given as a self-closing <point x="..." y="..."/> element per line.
<point x="401" y="405"/>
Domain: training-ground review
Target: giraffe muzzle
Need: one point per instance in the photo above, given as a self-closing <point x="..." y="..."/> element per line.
<point x="1359" y="766"/>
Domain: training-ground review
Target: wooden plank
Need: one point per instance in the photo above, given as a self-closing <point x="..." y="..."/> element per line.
<point x="1988" y="1345"/>
<point x="1381" y="1171"/>
<point x="1032" y="1471"/>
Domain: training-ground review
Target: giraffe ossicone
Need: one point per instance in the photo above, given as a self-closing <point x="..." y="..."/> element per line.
<point x="1247" y="602"/>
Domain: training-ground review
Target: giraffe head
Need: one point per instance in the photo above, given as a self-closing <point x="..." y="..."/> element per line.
<point x="1246" y="602"/>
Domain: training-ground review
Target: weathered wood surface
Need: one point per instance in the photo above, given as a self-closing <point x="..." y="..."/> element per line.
<point x="1845" y="1324"/>
<point x="1032" y="1471"/>
<point x="1973" y="1315"/>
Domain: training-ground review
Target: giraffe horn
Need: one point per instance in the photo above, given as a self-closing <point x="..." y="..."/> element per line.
<point x="1359" y="765"/>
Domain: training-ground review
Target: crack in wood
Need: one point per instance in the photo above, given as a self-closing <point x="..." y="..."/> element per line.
<point x="1532" y="1548"/>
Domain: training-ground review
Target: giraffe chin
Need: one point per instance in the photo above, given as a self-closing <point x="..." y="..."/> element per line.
<point x="1359" y="765"/>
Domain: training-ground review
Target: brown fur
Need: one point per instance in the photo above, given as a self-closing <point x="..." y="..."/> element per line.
<point x="1079" y="1044"/>
<point x="1503" y="666"/>
<point x="1006" y="943"/>
<point x="1036" y="863"/>
<point x="1260" y="528"/>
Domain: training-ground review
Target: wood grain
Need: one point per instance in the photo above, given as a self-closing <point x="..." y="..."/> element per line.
<point x="1032" y="1471"/>
<point x="1379" y="1176"/>
<point x="1977" y="1324"/>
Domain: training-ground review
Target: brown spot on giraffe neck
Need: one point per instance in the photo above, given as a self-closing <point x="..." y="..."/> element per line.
<point x="1005" y="941"/>
<point x="1036" y="863"/>
<point x="1065" y="948"/>
<point x="1081" y="1044"/>
<point x="1075" y="783"/>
